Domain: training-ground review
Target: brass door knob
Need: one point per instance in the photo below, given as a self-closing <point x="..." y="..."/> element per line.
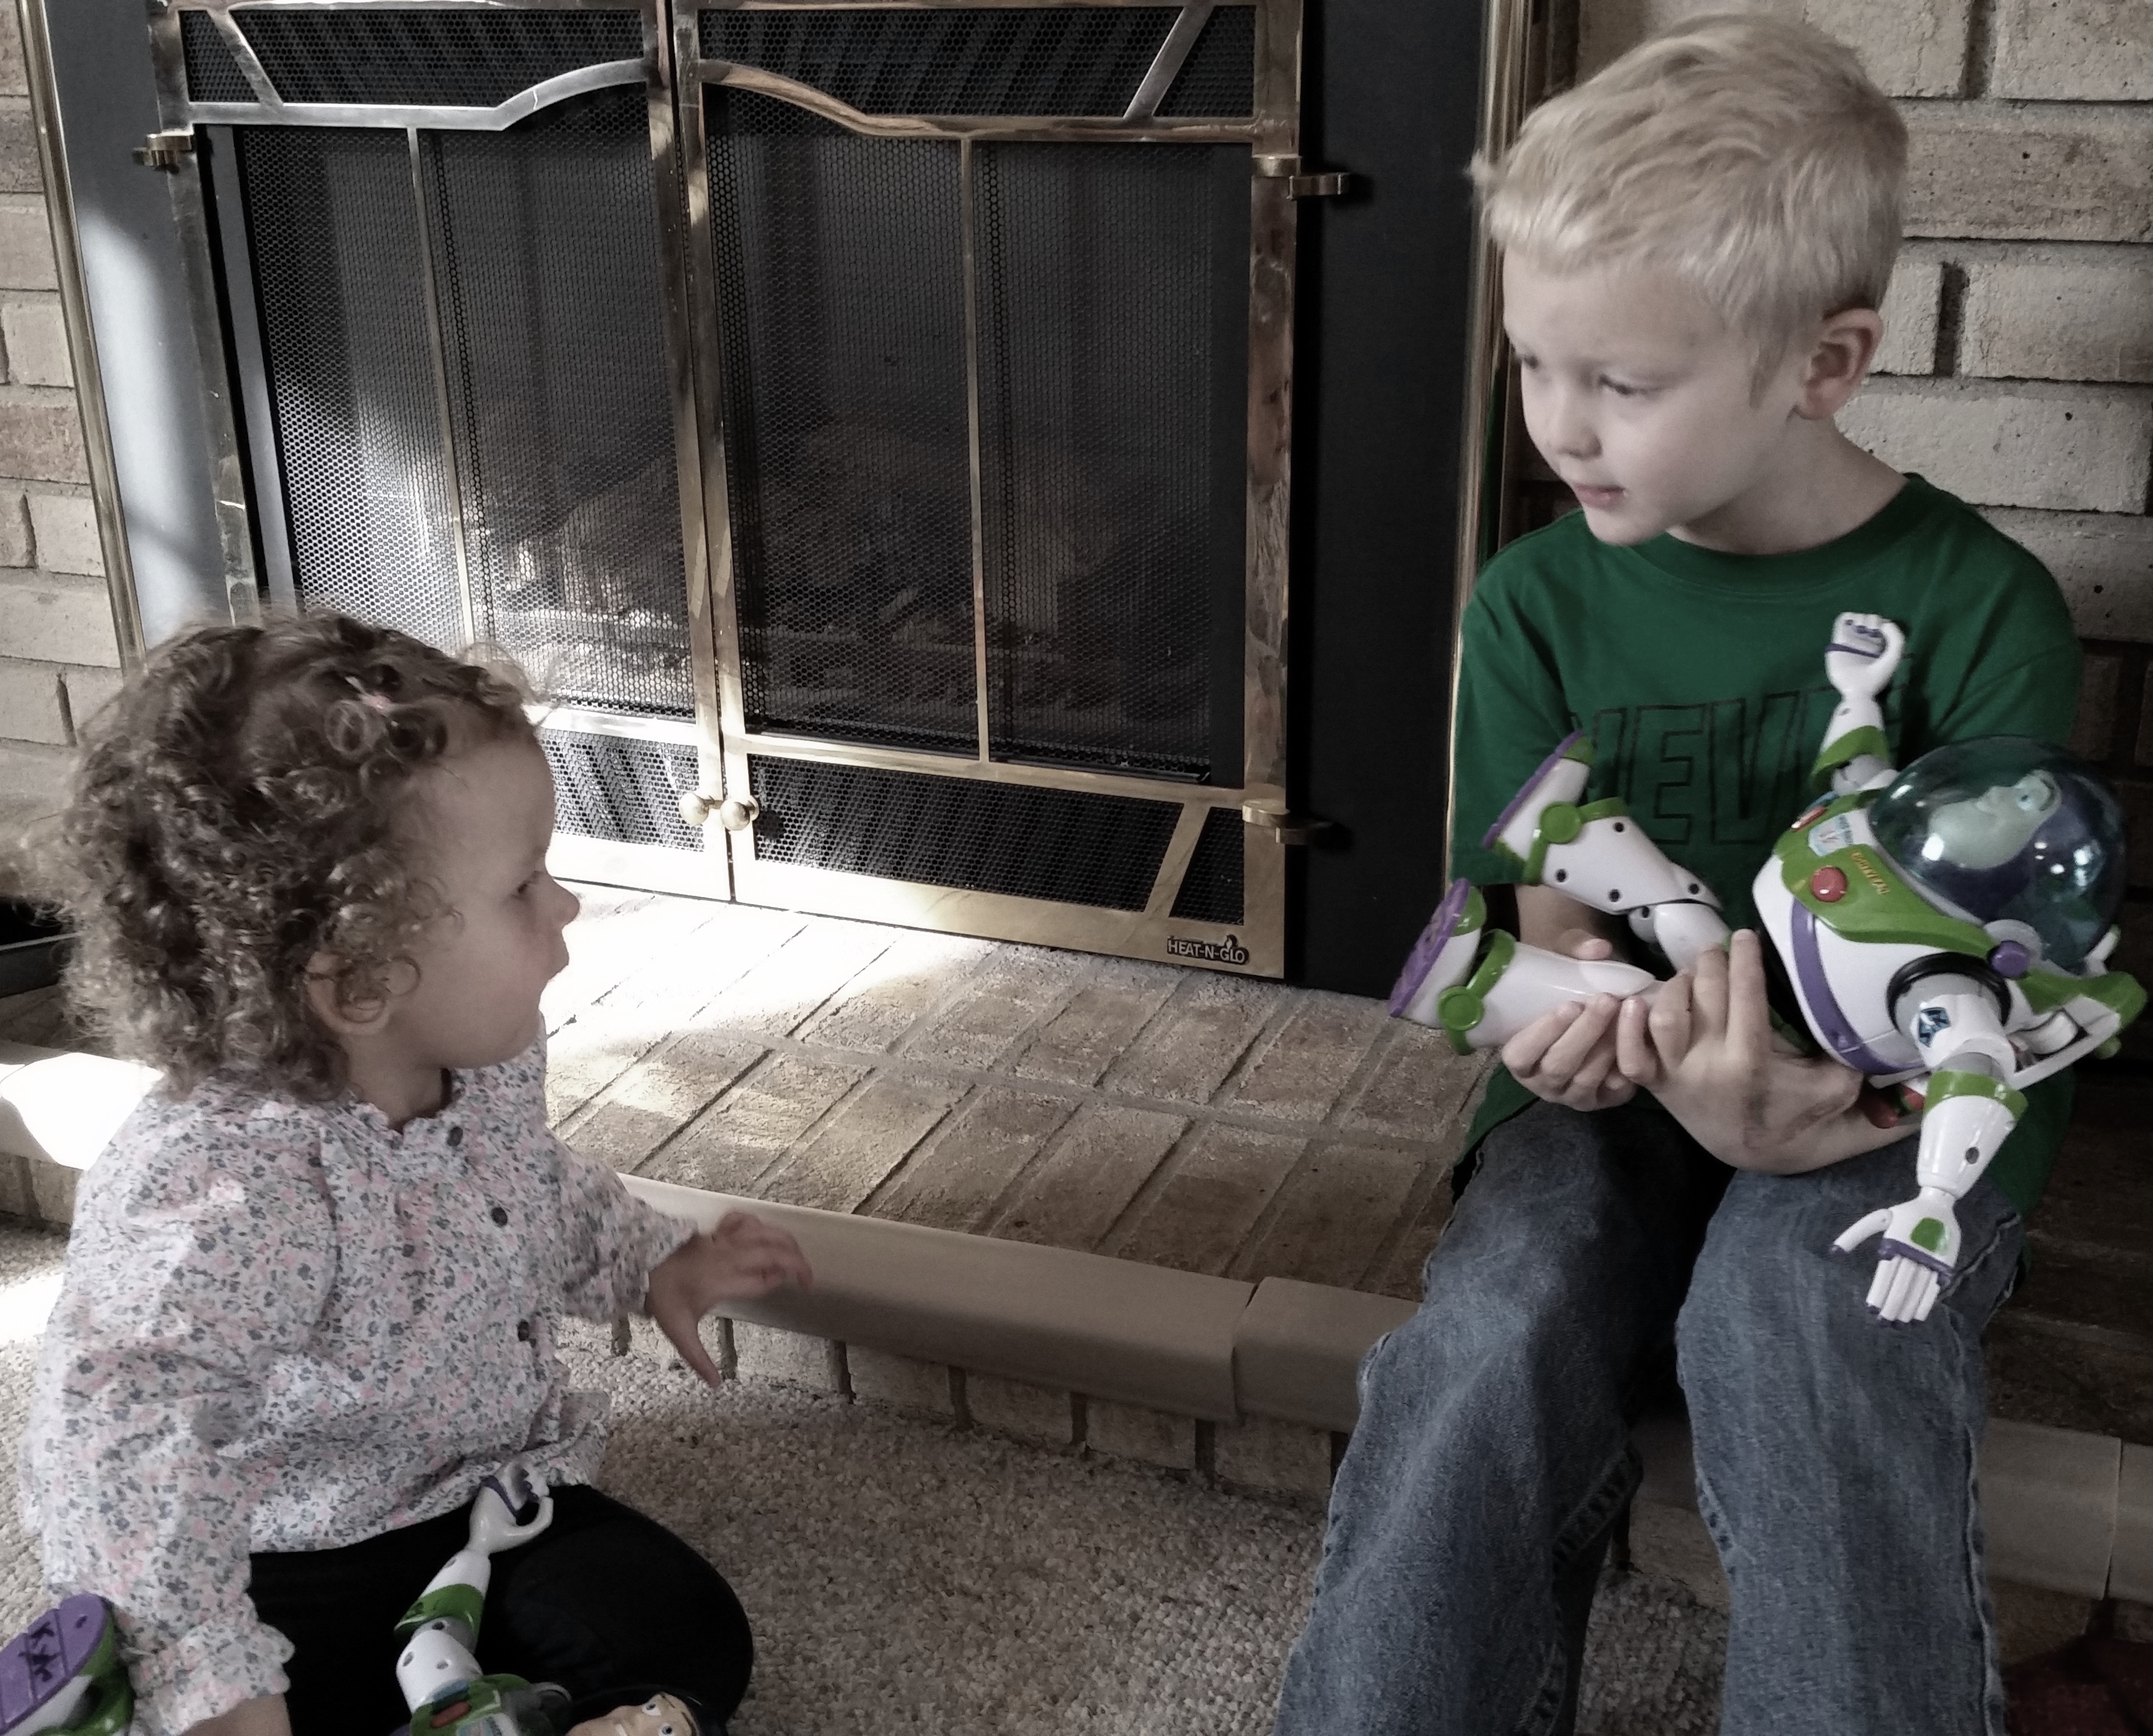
<point x="736" y="814"/>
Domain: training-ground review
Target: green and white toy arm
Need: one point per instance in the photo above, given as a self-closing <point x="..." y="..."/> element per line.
<point x="1970" y="1110"/>
<point x="1859" y="661"/>
<point x="437" y="1667"/>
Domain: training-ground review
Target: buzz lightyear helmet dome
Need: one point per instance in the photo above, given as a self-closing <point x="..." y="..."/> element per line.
<point x="2005" y="829"/>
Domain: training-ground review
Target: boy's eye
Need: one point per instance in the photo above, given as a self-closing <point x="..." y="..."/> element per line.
<point x="1623" y="389"/>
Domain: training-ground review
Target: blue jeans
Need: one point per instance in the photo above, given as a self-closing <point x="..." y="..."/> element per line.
<point x="1835" y="1456"/>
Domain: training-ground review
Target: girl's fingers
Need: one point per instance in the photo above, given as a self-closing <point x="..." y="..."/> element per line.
<point x="681" y="1328"/>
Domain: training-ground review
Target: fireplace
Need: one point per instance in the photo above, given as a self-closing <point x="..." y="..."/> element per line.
<point x="871" y="426"/>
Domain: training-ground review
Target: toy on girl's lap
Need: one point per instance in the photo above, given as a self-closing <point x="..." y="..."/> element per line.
<point x="440" y="1678"/>
<point x="62" y="1673"/>
<point x="1944" y="930"/>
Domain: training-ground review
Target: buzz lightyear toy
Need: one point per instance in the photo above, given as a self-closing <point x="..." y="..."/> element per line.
<point x="1944" y="930"/>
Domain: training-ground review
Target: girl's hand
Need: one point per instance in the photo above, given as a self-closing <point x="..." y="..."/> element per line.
<point x="1707" y="1051"/>
<point x="262" y="1716"/>
<point x="741" y="1258"/>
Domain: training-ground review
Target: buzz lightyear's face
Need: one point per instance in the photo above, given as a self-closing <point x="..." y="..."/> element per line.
<point x="661" y="1715"/>
<point x="1988" y="829"/>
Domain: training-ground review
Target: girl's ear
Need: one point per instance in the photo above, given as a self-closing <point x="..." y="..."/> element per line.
<point x="342" y="1019"/>
<point x="1844" y="350"/>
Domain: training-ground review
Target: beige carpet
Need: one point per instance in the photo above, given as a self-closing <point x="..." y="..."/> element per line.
<point x="904" y="1576"/>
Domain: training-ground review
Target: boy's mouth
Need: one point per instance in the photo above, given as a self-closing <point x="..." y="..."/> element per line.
<point x="1588" y="496"/>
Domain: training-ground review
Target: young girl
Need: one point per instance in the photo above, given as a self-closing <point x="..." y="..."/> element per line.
<point x="312" y="1286"/>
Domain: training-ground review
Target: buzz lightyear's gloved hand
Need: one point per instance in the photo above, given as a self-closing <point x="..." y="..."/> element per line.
<point x="1918" y="1254"/>
<point x="1860" y="662"/>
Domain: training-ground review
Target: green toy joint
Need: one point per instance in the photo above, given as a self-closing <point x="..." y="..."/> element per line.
<point x="1561" y="823"/>
<point x="1460" y="1009"/>
<point x="453" y="1603"/>
<point x="2109" y="1049"/>
<point x="1473" y="917"/>
<point x="1581" y="750"/>
<point x="1928" y="1235"/>
<point x="1954" y="1083"/>
<point x="1847" y="748"/>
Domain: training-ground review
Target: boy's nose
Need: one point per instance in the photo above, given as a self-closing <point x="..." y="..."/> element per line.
<point x="1570" y="430"/>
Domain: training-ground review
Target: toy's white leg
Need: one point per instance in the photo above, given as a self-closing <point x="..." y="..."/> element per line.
<point x="1537" y="980"/>
<point x="1968" y="1113"/>
<point x="1864" y="652"/>
<point x="1682" y="930"/>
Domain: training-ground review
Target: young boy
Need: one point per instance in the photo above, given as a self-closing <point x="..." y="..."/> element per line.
<point x="1696" y="243"/>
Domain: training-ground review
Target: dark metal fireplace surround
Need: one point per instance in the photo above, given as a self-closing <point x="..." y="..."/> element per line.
<point x="948" y="464"/>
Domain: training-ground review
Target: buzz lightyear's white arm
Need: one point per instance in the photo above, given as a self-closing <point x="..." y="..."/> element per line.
<point x="1864" y="652"/>
<point x="1969" y="1111"/>
<point x="440" y="1629"/>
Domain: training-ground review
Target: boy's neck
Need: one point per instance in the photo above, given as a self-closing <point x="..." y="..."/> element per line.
<point x="1821" y="487"/>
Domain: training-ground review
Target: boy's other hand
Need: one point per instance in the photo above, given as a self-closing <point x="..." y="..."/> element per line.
<point x="740" y="1259"/>
<point x="1706" y="1049"/>
<point x="1567" y="1055"/>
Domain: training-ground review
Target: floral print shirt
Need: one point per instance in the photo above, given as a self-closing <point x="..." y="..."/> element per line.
<point x="286" y="1327"/>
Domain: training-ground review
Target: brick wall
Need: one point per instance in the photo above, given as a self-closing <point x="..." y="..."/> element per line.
<point x="59" y="655"/>
<point x="2018" y="369"/>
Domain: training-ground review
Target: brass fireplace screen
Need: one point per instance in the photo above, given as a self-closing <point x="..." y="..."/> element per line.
<point x="867" y="425"/>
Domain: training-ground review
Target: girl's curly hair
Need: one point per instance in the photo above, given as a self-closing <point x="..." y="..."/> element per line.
<point x="236" y="812"/>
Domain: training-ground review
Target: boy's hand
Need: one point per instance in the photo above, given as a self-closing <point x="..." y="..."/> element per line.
<point x="1567" y="1055"/>
<point x="1706" y="1049"/>
<point x="741" y="1258"/>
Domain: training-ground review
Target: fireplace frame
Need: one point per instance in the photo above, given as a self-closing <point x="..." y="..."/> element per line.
<point x="1347" y="897"/>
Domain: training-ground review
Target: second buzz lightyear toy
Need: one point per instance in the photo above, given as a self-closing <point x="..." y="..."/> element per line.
<point x="448" y="1694"/>
<point x="1944" y="930"/>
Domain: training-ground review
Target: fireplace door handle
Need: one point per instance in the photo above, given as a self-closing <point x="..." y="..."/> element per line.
<point x="735" y="815"/>
<point x="1291" y="828"/>
<point x="1329" y="184"/>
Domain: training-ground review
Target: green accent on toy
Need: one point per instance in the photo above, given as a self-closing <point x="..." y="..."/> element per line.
<point x="1581" y="750"/>
<point x="454" y="1603"/>
<point x="1473" y="916"/>
<point x="2117" y="990"/>
<point x="1953" y="1082"/>
<point x="1847" y="748"/>
<point x="484" y="1696"/>
<point x="2109" y="1049"/>
<point x="1877" y="905"/>
<point x="1561" y="823"/>
<point x="1928" y="1234"/>
<point x="1460" y="1009"/>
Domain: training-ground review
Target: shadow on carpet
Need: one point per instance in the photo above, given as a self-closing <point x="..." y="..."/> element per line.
<point x="905" y="1576"/>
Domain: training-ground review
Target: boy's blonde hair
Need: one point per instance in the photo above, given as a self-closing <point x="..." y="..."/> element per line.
<point x="1749" y="155"/>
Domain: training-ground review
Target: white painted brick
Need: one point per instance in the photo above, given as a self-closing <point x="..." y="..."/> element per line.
<point x="14" y="529"/>
<point x="905" y="1382"/>
<point x="30" y="708"/>
<point x="1911" y="47"/>
<point x="14" y="81"/>
<point x="1263" y="1453"/>
<point x="1043" y="1414"/>
<point x="36" y="336"/>
<point x="2103" y="560"/>
<point x="26" y="244"/>
<point x="59" y="620"/>
<point x="1129" y="1431"/>
<point x="2030" y="171"/>
<point x="88" y="691"/>
<point x="34" y="780"/>
<point x="1910" y="315"/>
<point x="2072" y="50"/>
<point x="771" y="1353"/>
<point x="2061" y="314"/>
<point x="2068" y="449"/>
<point x="66" y="527"/>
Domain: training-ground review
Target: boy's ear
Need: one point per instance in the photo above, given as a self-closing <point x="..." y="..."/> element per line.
<point x="342" y="1019"/>
<point x="1839" y="361"/>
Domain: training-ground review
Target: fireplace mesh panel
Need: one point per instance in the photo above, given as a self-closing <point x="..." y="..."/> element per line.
<point x="1112" y="490"/>
<point x="213" y="75"/>
<point x="1219" y="76"/>
<point x="1211" y="890"/>
<point x="426" y="56"/>
<point x="1075" y="848"/>
<point x="626" y="791"/>
<point x="1057" y="60"/>
<point x="841" y="318"/>
<point x="553" y="320"/>
<point x="340" y="274"/>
